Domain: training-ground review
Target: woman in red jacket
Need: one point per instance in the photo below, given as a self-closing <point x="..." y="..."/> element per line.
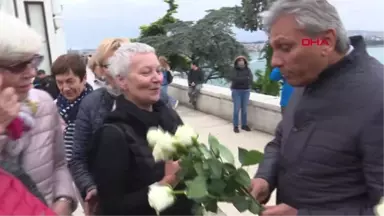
<point x="18" y="193"/>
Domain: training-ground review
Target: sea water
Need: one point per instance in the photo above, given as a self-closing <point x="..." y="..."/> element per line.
<point x="259" y="64"/>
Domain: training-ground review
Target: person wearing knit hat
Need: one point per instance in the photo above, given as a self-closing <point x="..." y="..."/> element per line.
<point x="241" y="82"/>
<point x="34" y="138"/>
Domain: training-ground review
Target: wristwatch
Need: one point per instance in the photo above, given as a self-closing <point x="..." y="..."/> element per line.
<point x="67" y="200"/>
<point x="64" y="199"/>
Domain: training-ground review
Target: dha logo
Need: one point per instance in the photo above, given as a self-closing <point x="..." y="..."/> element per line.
<point x="311" y="42"/>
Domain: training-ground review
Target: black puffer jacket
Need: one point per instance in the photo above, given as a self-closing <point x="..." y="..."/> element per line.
<point x="123" y="165"/>
<point x="241" y="78"/>
<point x="92" y="111"/>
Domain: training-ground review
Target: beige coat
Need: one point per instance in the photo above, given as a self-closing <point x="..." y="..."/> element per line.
<point x="40" y="151"/>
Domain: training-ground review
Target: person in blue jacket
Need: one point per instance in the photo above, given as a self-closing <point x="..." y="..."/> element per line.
<point x="286" y="90"/>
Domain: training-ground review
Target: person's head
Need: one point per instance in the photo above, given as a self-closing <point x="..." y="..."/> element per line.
<point x="137" y="71"/>
<point x="164" y="62"/>
<point x="69" y="71"/>
<point x="98" y="63"/>
<point x="289" y="23"/>
<point x="194" y="66"/>
<point x="241" y="62"/>
<point x="41" y="73"/>
<point x="19" y="54"/>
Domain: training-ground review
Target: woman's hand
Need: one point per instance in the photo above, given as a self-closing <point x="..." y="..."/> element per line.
<point x="62" y="207"/>
<point x="91" y="202"/>
<point x="171" y="168"/>
<point x="9" y="106"/>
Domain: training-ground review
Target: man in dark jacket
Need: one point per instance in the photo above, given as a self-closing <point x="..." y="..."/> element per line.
<point x="327" y="154"/>
<point x="241" y="82"/>
<point x="195" y="82"/>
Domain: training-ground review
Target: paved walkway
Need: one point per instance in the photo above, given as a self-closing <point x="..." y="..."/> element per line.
<point x="206" y="124"/>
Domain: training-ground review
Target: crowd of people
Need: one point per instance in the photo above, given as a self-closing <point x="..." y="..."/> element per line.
<point x="88" y="145"/>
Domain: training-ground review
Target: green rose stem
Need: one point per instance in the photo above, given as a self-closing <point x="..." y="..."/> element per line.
<point x="179" y="192"/>
<point x="253" y="199"/>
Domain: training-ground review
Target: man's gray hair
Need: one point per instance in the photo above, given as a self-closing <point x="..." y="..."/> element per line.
<point x="120" y="62"/>
<point x="18" y="41"/>
<point x="313" y="16"/>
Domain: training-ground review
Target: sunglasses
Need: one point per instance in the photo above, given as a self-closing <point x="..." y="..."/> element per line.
<point x="34" y="62"/>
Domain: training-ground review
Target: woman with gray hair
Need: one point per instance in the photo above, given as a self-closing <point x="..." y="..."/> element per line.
<point x="37" y="145"/>
<point x="327" y="154"/>
<point x="92" y="111"/>
<point x="122" y="162"/>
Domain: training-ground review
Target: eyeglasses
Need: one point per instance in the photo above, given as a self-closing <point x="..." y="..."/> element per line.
<point x="34" y="62"/>
<point x="105" y="66"/>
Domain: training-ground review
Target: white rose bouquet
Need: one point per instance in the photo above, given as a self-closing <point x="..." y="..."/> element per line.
<point x="208" y="171"/>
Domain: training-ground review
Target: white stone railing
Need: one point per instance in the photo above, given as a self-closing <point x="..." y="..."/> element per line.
<point x="263" y="110"/>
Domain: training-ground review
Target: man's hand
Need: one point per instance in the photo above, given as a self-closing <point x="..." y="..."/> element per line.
<point x="62" y="208"/>
<point x="91" y="202"/>
<point x="278" y="210"/>
<point x="9" y="106"/>
<point x="259" y="189"/>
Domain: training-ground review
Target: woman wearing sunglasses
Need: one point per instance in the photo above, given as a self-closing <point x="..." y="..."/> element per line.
<point x="33" y="138"/>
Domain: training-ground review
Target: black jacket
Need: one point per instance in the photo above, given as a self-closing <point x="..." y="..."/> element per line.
<point x="124" y="167"/>
<point x="92" y="112"/>
<point x="195" y="76"/>
<point x="327" y="155"/>
<point x="47" y="84"/>
<point x="241" y="78"/>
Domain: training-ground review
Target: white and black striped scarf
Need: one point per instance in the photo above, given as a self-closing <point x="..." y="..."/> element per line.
<point x="68" y="111"/>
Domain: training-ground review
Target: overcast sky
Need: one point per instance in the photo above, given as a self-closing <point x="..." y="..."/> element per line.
<point x="87" y="22"/>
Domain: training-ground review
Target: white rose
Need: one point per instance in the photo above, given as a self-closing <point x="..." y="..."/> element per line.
<point x="160" y="197"/>
<point x="379" y="208"/>
<point x="166" y="142"/>
<point x="153" y="135"/>
<point x="159" y="154"/>
<point x="185" y="135"/>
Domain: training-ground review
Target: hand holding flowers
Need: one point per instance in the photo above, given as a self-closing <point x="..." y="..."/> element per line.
<point x="208" y="171"/>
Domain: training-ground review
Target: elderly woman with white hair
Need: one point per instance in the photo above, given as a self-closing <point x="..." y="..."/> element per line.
<point x="34" y="138"/>
<point x="92" y="111"/>
<point x="123" y="165"/>
<point x="327" y="154"/>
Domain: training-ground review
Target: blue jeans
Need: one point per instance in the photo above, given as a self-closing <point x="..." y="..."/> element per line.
<point x="170" y="101"/>
<point x="240" y="98"/>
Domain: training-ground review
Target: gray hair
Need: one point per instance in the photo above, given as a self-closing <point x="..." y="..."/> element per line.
<point x="18" y="41"/>
<point x="313" y="16"/>
<point x="119" y="63"/>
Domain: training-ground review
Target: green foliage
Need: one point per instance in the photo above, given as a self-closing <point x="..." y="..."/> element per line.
<point x="249" y="19"/>
<point x="209" y="41"/>
<point x="257" y="85"/>
<point x="248" y="14"/>
<point x="210" y="176"/>
<point x="158" y="27"/>
<point x="268" y="86"/>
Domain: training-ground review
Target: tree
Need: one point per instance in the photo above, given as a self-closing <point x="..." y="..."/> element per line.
<point x="249" y="19"/>
<point x="158" y="27"/>
<point x="209" y="41"/>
